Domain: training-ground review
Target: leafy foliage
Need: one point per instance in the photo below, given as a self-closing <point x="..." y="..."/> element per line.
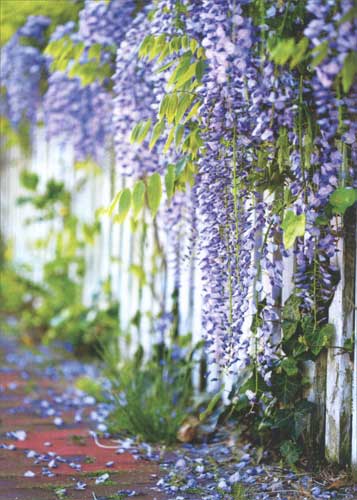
<point x="152" y="398"/>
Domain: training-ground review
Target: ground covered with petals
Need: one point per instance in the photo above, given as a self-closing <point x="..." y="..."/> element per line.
<point x="49" y="435"/>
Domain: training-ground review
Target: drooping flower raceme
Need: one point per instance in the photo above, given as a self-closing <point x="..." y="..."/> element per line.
<point x="21" y="70"/>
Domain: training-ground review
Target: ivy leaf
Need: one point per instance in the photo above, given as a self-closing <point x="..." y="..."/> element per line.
<point x="290" y="316"/>
<point x="170" y="181"/>
<point x="302" y="411"/>
<point x="138" y="197"/>
<point x="343" y="198"/>
<point x="322" y="338"/>
<point x="124" y="206"/>
<point x="293" y="226"/>
<point x="290" y="452"/>
<point x="316" y="338"/>
<point x="290" y="367"/>
<point x="286" y="387"/>
<point x="154" y="191"/>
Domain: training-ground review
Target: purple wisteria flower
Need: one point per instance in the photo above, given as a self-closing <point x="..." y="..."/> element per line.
<point x="21" y="70"/>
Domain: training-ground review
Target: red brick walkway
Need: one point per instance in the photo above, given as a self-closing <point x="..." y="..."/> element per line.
<point x="71" y="441"/>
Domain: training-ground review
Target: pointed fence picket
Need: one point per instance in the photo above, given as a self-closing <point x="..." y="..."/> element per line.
<point x="333" y="378"/>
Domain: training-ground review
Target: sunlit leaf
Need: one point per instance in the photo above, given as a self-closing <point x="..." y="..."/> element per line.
<point x="154" y="192"/>
<point x="138" y="197"/>
<point x="170" y="181"/>
<point x="293" y="226"/>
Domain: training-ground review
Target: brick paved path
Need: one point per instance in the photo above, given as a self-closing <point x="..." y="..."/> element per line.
<point x="32" y="396"/>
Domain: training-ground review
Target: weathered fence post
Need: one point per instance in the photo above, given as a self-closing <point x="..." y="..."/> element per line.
<point x="339" y="364"/>
<point x="354" y="383"/>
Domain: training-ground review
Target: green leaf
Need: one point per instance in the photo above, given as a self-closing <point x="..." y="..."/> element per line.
<point x="181" y="165"/>
<point x="163" y="106"/>
<point x="29" y="180"/>
<point x="154" y="191"/>
<point x="169" y="140"/>
<point x="321" y="52"/>
<point x="349" y="16"/>
<point x="302" y="411"/>
<point x="343" y="198"/>
<point x="156" y="133"/>
<point x="165" y="66"/>
<point x="211" y="406"/>
<point x="315" y="337"/>
<point x="143" y="131"/>
<point x="290" y="316"/>
<point x="172" y="104"/>
<point x="290" y="452"/>
<point x="135" y="133"/>
<point x="322" y="338"/>
<point x="283" y="50"/>
<point x="187" y="76"/>
<point x="300" y="52"/>
<point x="183" y="64"/>
<point x="170" y="181"/>
<point x="286" y="387"/>
<point x="290" y="367"/>
<point x="349" y="70"/>
<point x="124" y="205"/>
<point x="95" y="51"/>
<point x="157" y="46"/>
<point x="200" y="68"/>
<point x="193" y="111"/>
<point x="179" y="134"/>
<point x="193" y="45"/>
<point x="139" y="272"/>
<point x="293" y="226"/>
<point x="146" y="45"/>
<point x="113" y="204"/>
<point x="138" y="197"/>
<point x="183" y="104"/>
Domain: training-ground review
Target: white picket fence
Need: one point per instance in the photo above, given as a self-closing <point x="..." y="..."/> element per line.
<point x="333" y="377"/>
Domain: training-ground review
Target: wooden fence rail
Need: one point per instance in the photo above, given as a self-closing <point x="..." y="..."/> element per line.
<point x="117" y="249"/>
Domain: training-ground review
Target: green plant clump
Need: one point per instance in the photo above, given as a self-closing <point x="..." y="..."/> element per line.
<point x="153" y="398"/>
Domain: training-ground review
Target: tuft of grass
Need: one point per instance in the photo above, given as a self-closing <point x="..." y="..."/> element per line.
<point x="152" y="398"/>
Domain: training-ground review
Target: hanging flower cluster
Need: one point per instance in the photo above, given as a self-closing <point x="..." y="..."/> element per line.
<point x="21" y="69"/>
<point x="266" y="130"/>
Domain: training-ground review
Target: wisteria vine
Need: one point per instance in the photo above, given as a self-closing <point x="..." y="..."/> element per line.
<point x="256" y="102"/>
